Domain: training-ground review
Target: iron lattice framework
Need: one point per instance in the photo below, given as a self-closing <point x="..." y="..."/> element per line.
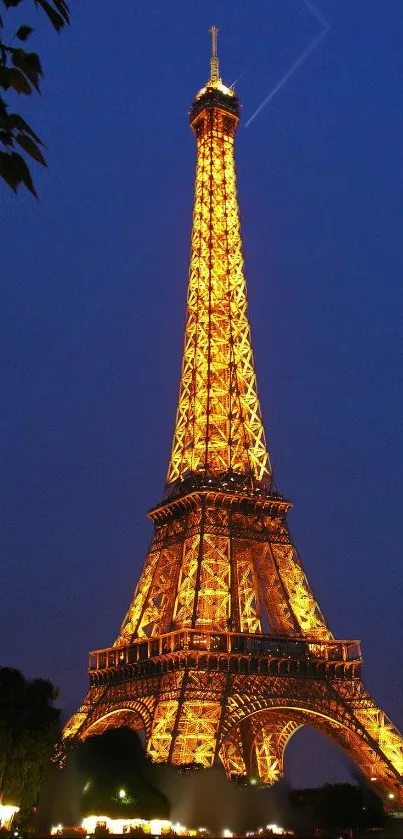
<point x="224" y="652"/>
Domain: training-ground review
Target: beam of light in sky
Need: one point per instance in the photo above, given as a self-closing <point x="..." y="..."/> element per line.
<point x="299" y="62"/>
<point x="237" y="80"/>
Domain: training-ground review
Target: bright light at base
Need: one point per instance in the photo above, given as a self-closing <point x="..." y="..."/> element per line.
<point x="122" y="793"/>
<point x="7" y="813"/>
<point x="153" y="827"/>
<point x="391" y="795"/>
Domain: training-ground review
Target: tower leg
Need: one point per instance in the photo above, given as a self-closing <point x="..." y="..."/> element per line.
<point x="184" y="733"/>
<point x="232" y="756"/>
<point x="254" y="751"/>
<point x="340" y="709"/>
<point x="267" y="756"/>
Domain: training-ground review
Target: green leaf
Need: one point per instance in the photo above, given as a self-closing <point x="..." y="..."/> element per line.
<point x="10" y="3"/>
<point x="26" y="177"/>
<point x="18" y="82"/>
<point x="31" y="148"/>
<point x="30" y="65"/>
<point x="16" y="121"/>
<point x="10" y="77"/>
<point x="14" y="171"/>
<point x="6" y="137"/>
<point x="57" y="18"/>
<point x="5" y="77"/>
<point x="3" y="109"/>
<point x="24" y="32"/>
<point x="63" y="8"/>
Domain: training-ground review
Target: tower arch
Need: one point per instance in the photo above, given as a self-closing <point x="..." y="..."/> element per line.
<point x="110" y="711"/>
<point x="256" y="744"/>
<point x="120" y="718"/>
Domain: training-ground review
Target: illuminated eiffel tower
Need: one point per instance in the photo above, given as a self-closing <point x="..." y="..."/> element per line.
<point x="224" y="652"/>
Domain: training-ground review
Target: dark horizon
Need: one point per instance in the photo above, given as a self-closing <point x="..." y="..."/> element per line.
<point x="94" y="284"/>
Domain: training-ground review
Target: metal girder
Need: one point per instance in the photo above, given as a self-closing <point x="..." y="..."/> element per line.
<point x="218" y="423"/>
<point x="224" y="650"/>
<point x="216" y="575"/>
<point x="191" y="716"/>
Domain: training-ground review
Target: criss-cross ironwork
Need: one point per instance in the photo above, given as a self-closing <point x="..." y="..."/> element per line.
<point x="224" y="652"/>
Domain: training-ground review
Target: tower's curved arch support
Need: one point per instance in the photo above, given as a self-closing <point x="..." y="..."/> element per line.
<point x="108" y="710"/>
<point x="121" y="718"/>
<point x="255" y="746"/>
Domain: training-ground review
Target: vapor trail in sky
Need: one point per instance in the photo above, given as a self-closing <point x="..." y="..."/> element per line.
<point x="237" y="80"/>
<point x="299" y="62"/>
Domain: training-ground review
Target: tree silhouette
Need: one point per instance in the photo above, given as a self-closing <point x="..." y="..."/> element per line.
<point x="115" y="777"/>
<point x="29" y="728"/>
<point x="21" y="73"/>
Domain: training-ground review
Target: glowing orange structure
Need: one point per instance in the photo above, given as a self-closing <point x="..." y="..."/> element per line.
<point x="224" y="652"/>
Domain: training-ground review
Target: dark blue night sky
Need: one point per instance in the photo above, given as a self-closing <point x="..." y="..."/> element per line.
<point x="93" y="283"/>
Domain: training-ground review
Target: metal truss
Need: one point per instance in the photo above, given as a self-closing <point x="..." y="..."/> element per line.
<point x="223" y="561"/>
<point x="268" y="749"/>
<point x="218" y="424"/>
<point x="194" y="716"/>
<point x="224" y="652"/>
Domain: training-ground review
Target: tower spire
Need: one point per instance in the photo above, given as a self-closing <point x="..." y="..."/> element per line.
<point x="218" y="430"/>
<point x="214" y="70"/>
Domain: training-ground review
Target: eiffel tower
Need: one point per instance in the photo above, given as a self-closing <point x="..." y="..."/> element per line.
<point x="224" y="652"/>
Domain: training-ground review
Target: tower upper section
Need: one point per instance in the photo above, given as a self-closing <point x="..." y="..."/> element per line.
<point x="219" y="430"/>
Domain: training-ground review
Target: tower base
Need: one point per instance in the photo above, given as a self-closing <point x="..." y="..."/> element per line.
<point x="203" y="697"/>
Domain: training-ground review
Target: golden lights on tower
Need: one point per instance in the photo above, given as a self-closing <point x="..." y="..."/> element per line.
<point x="224" y="652"/>
<point x="218" y="425"/>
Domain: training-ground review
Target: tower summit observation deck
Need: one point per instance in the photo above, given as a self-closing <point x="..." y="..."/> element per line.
<point x="224" y="652"/>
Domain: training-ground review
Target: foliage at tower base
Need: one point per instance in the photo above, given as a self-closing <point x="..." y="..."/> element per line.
<point x="338" y="807"/>
<point x="29" y="728"/>
<point x="21" y="73"/>
<point x="115" y="777"/>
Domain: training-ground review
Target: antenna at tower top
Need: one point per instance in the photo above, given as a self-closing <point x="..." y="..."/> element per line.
<point x="214" y="74"/>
